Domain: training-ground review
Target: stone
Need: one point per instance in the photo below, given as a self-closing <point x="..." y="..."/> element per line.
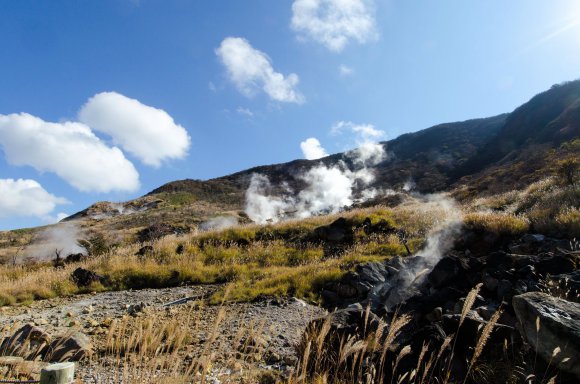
<point x="87" y="310"/>
<point x="84" y="278"/>
<point x="530" y="239"/>
<point x="134" y="309"/>
<point x="28" y="342"/>
<point x="559" y="327"/>
<point x="555" y="265"/>
<point x="447" y="270"/>
<point x="504" y="289"/>
<point x="490" y="283"/>
<point x="41" y="321"/>
<point x="73" y="347"/>
<point x="75" y="258"/>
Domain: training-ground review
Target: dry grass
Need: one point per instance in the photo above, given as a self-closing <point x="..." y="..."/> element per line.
<point x="267" y="260"/>
<point x="548" y="206"/>
<point x="503" y="224"/>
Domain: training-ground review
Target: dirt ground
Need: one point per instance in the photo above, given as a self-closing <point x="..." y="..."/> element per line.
<point x="239" y="339"/>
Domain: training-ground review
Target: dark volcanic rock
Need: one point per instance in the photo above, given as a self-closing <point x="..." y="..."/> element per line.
<point x="449" y="270"/>
<point x="75" y="258"/>
<point x="83" y="277"/>
<point x="559" y="327"/>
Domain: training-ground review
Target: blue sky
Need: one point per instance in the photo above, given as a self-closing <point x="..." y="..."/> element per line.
<point x="156" y="91"/>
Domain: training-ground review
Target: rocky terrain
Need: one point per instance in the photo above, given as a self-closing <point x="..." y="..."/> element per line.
<point x="88" y="320"/>
<point x="527" y="290"/>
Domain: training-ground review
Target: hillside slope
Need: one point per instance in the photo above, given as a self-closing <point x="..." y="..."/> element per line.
<point x="474" y="157"/>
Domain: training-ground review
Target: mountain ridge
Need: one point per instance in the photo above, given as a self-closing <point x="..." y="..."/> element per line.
<point x="445" y="157"/>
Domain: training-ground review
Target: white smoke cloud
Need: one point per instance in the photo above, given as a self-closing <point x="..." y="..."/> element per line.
<point x="147" y="133"/>
<point x="61" y="237"/>
<point x="440" y="240"/>
<point x="263" y="207"/>
<point x="368" y="151"/>
<point x="25" y="197"/>
<point x="70" y="150"/>
<point x="219" y="223"/>
<point x="312" y="149"/>
<point x="333" y="23"/>
<point x="329" y="189"/>
<point x="250" y="69"/>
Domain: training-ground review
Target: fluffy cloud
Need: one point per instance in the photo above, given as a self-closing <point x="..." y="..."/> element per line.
<point x="147" y="133"/>
<point x="334" y="23"/>
<point x="22" y="197"/>
<point x="312" y="149"/>
<point x="69" y="149"/>
<point x="250" y="69"/>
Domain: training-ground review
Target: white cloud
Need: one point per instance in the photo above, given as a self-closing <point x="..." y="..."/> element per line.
<point x="25" y="197"/>
<point x="312" y="149"/>
<point x="365" y="132"/>
<point x="245" y="111"/>
<point x="147" y="133"/>
<point x="69" y="149"/>
<point x="334" y="23"/>
<point x="343" y="70"/>
<point x="250" y="69"/>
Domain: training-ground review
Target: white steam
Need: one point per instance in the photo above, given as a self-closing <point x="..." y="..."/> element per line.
<point x="329" y="189"/>
<point x="218" y="223"/>
<point x="61" y="237"/>
<point x="440" y="240"/>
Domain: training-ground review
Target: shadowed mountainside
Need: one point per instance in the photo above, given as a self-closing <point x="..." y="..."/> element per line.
<point x="489" y="154"/>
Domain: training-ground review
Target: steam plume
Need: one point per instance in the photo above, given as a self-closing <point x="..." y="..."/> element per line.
<point x="439" y="241"/>
<point x="62" y="237"/>
<point x="217" y="223"/>
<point x="329" y="189"/>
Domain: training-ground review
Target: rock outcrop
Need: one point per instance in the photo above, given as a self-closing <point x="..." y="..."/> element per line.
<point x="552" y="327"/>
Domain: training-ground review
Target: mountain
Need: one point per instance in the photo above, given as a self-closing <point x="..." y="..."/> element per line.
<point x="442" y="157"/>
<point x="475" y="156"/>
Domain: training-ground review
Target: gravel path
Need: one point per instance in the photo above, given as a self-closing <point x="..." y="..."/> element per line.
<point x="268" y="329"/>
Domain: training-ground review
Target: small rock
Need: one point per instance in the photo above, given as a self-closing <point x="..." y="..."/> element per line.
<point x="88" y="310"/>
<point x="41" y="321"/>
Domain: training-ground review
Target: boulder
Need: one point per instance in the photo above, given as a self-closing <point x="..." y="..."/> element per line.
<point x="556" y="265"/>
<point x="28" y="342"/>
<point x="449" y="269"/>
<point x="145" y="251"/>
<point x="83" y="277"/>
<point x="559" y="327"/>
<point x="338" y="232"/>
<point x="73" y="347"/>
<point x="75" y="258"/>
